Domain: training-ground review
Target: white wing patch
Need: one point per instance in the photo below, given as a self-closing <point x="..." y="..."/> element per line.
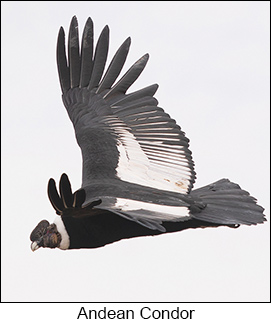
<point x="150" y="215"/>
<point x="150" y="163"/>
<point x="168" y="213"/>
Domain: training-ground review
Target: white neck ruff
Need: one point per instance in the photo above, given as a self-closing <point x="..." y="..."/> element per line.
<point x="65" y="239"/>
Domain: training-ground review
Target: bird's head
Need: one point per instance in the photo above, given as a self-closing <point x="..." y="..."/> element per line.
<point x="45" y="235"/>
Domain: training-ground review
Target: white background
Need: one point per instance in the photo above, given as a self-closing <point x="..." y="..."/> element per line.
<point x="211" y="61"/>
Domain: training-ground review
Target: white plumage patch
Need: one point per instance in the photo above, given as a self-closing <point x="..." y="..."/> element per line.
<point x="65" y="239"/>
<point x="150" y="215"/>
<point x="167" y="212"/>
<point x="150" y="163"/>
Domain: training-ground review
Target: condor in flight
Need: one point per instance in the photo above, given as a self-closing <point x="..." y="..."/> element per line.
<point x="138" y="172"/>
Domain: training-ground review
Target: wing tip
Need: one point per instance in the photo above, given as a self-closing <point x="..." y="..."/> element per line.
<point x="74" y="22"/>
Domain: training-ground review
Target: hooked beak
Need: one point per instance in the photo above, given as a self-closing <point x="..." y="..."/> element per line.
<point x="34" y="246"/>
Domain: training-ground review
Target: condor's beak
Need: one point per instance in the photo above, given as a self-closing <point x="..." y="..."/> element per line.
<point x="34" y="246"/>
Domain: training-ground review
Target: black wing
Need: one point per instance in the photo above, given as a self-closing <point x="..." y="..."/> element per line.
<point x="135" y="157"/>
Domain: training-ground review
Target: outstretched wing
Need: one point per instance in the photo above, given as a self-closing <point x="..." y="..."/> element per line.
<point x="132" y="150"/>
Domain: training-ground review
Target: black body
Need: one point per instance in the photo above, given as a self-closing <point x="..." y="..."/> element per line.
<point x="108" y="227"/>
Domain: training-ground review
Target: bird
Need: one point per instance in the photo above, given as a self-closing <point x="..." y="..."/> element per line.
<point x="137" y="169"/>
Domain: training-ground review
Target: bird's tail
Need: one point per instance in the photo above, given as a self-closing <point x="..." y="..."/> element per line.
<point x="227" y="204"/>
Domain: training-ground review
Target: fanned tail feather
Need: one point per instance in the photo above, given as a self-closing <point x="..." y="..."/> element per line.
<point x="226" y="203"/>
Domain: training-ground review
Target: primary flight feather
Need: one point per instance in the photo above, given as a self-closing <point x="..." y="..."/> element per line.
<point x="138" y="172"/>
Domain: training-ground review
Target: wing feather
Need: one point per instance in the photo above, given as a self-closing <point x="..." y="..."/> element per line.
<point x="86" y="54"/>
<point x="129" y="77"/>
<point x="115" y="66"/>
<point x="100" y="57"/>
<point x="73" y="53"/>
<point x="63" y="69"/>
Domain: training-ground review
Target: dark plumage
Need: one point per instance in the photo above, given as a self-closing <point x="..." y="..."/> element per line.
<point x="138" y="171"/>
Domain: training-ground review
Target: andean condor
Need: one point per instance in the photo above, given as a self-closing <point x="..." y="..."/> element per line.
<point x="138" y="171"/>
